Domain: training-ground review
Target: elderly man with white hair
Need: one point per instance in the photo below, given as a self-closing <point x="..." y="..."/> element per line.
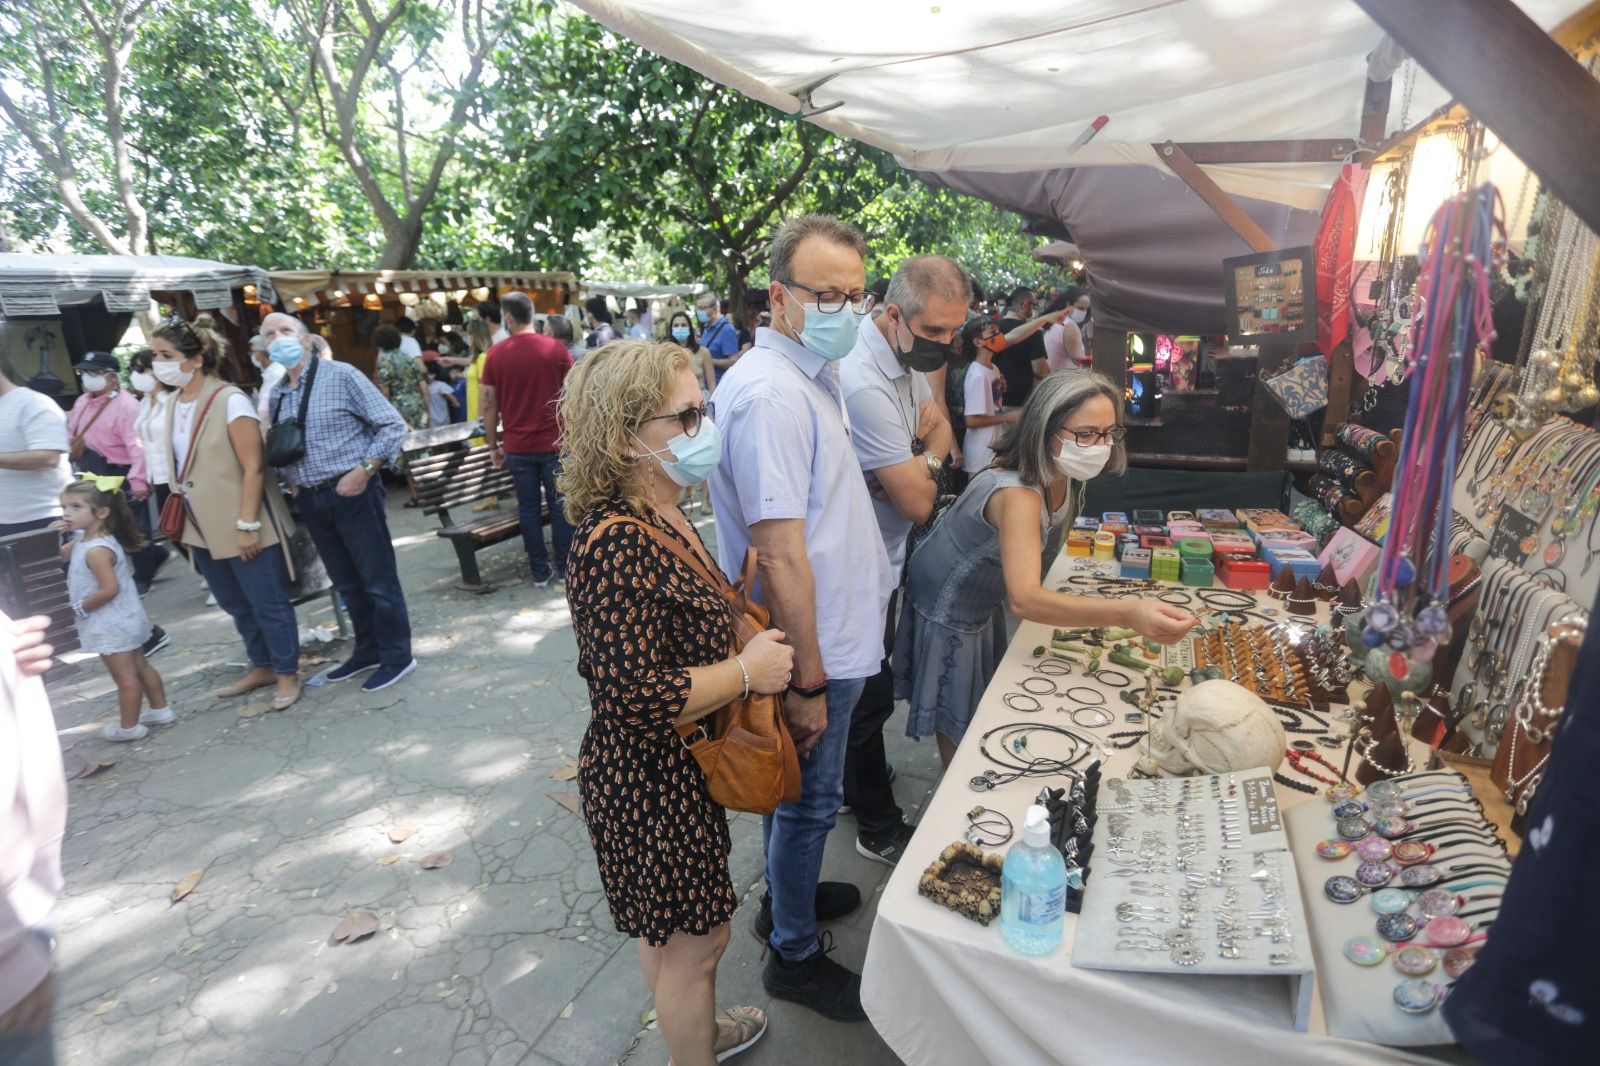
<point x="347" y="431"/>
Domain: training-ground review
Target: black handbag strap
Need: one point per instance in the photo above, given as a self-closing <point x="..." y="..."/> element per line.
<point x="305" y="396"/>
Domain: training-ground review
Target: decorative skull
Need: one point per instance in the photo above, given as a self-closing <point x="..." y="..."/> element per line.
<point x="1217" y="727"/>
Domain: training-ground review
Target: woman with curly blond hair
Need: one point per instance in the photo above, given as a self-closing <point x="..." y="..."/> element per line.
<point x="653" y="645"/>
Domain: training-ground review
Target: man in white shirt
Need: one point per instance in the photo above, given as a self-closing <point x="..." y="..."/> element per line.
<point x="33" y="458"/>
<point x="408" y="337"/>
<point x="901" y="440"/>
<point x="789" y="485"/>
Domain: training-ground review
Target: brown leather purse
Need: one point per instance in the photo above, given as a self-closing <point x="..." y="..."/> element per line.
<point x="744" y="748"/>
<point x="175" y="512"/>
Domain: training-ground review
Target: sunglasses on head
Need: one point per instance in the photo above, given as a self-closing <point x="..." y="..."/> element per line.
<point x="689" y="418"/>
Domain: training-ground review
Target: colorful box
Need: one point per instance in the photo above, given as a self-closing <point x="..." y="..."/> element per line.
<point x="1174" y="529"/>
<point x="1153" y="541"/>
<point x="1217" y="518"/>
<point x="1149" y="518"/>
<point x="1180" y="516"/>
<point x="1300" y="562"/>
<point x="1105" y="546"/>
<point x="1086" y="522"/>
<point x="1191" y="547"/>
<point x="1153" y="529"/>
<point x="1353" y="557"/>
<point x="1115" y="516"/>
<point x="1198" y="573"/>
<point x="1080" y="544"/>
<point x="1127" y="541"/>
<point x="1232" y="543"/>
<point x="1238" y="570"/>
<point x="1165" y="564"/>
<point x="1136" y="563"/>
<point x="1287" y="538"/>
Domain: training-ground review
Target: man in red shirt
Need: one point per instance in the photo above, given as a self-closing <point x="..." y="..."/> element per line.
<point x="519" y="383"/>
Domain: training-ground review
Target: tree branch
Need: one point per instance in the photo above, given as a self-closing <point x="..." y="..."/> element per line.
<point x="753" y="224"/>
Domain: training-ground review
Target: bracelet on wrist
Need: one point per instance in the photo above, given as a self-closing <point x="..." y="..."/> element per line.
<point x="77" y="609"/>
<point x="810" y="692"/>
<point x="247" y="527"/>
<point x="743" y="670"/>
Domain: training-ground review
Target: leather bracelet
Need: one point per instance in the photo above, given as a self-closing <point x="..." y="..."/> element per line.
<point x="810" y="692"/>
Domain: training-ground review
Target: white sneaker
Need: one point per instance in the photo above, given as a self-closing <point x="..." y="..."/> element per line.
<point x="115" y="733"/>
<point x="164" y="716"/>
<point x="211" y="599"/>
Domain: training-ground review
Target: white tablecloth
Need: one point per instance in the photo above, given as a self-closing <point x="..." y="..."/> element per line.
<point x="942" y="989"/>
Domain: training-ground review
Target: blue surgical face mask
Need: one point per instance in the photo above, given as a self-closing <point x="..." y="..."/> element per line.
<point x="830" y="336"/>
<point x="697" y="455"/>
<point x="286" y="351"/>
<point x="702" y="314"/>
<point x="680" y="334"/>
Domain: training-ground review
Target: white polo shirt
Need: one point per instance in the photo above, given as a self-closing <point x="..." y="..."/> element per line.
<point x="786" y="454"/>
<point x="883" y="398"/>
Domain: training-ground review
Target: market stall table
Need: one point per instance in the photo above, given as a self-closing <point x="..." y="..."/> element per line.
<point x="940" y="988"/>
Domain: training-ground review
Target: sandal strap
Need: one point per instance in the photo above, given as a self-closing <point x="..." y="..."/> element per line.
<point x="745" y="1025"/>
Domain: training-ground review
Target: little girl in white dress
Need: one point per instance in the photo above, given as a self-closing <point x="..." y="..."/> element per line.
<point x="111" y="621"/>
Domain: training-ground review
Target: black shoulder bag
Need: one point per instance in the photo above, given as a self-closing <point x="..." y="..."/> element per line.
<point x="286" y="440"/>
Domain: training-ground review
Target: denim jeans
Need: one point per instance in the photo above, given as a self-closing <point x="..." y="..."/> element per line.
<point x="866" y="765"/>
<point x="535" y="473"/>
<point x="794" y="835"/>
<point x="352" y="536"/>
<point x="256" y="595"/>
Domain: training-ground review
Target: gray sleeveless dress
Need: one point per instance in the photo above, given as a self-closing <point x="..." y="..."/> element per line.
<point x="953" y="629"/>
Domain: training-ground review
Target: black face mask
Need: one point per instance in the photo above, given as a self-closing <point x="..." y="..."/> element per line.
<point x="924" y="356"/>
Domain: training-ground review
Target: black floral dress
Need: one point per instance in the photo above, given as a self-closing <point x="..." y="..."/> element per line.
<point x="642" y="617"/>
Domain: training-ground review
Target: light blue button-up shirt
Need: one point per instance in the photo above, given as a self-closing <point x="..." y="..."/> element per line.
<point x="786" y="454"/>
<point x="883" y="399"/>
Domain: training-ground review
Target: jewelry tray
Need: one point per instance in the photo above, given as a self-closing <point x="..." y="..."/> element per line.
<point x="1099" y="929"/>
<point x="1357" y="1001"/>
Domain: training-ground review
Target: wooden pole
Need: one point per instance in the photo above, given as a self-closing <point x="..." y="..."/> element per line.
<point x="1218" y="200"/>
<point x="1515" y="78"/>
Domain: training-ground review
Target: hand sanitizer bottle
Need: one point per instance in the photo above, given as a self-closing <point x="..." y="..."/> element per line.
<point x="1033" y="888"/>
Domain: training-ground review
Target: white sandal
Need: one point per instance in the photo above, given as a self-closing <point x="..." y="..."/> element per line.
<point x="749" y="1024"/>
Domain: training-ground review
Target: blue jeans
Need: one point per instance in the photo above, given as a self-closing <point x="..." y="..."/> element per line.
<point x="535" y="473"/>
<point x="793" y="836"/>
<point x="352" y="536"/>
<point x="256" y="595"/>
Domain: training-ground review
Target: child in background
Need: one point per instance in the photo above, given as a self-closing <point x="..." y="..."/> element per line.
<point x="111" y="621"/>
<point x="441" y="396"/>
<point x="458" y="379"/>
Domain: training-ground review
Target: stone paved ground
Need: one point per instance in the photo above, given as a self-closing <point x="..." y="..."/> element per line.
<point x="505" y="956"/>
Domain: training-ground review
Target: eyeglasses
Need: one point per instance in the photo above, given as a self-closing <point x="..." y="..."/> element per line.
<point x="689" y="418"/>
<point x="832" y="301"/>
<point x="1088" y="438"/>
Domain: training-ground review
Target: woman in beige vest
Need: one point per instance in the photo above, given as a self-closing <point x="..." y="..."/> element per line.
<point x="237" y="525"/>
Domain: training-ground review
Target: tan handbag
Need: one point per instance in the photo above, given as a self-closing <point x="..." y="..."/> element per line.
<point x="744" y="748"/>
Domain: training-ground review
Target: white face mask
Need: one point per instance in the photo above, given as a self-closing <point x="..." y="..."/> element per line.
<point x="1078" y="314"/>
<point x="142" y="381"/>
<point x="1080" y="463"/>
<point x="95" y="382"/>
<point x="171" y="373"/>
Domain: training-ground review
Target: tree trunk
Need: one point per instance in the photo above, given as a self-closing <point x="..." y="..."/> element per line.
<point x="400" y="244"/>
<point x="738" y="295"/>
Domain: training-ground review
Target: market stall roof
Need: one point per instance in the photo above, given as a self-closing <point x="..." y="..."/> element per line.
<point x="641" y="290"/>
<point x="321" y="286"/>
<point x="963" y="85"/>
<point x="43" y="284"/>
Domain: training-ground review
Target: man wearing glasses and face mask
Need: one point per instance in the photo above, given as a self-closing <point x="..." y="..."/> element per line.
<point x="901" y="440"/>
<point x="789" y="484"/>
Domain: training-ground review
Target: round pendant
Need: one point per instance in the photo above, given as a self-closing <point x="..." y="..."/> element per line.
<point x="1528" y="543"/>
<point x="1353" y="828"/>
<point x="1458" y="961"/>
<point x="1553" y="553"/>
<point x="1349" y="809"/>
<point x="1397" y="928"/>
<point x="1438" y="903"/>
<point x="1374" y="849"/>
<point x="1415" y="996"/>
<point x="1382" y="617"/>
<point x="1448" y="931"/>
<point x="1333" y="848"/>
<point x="1375" y="874"/>
<point x="1381" y="790"/>
<point x="1365" y="951"/>
<point x="1411" y="852"/>
<point x="1390" y="900"/>
<point x="1415" y="961"/>
<point x="1433" y="622"/>
<point x="1392" y="827"/>
<point x="1390" y="808"/>
<point x="1422" y="875"/>
<point x="1340" y="792"/>
<point x="1342" y="889"/>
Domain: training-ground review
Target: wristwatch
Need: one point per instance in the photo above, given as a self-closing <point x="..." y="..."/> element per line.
<point x="370" y="467"/>
<point x="935" y="464"/>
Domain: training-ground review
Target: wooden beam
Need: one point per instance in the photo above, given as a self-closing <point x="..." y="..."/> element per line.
<point x="1341" y="381"/>
<point x="1269" y="422"/>
<point x="1375" y="111"/>
<point x="1516" y="79"/>
<point x="1579" y="29"/>
<point x="1325" y="150"/>
<point x="1220" y="202"/>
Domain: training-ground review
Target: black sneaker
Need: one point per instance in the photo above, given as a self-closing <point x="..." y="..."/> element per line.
<point x="819" y="983"/>
<point x="386" y="676"/>
<point x="348" y="669"/>
<point x="887" y="848"/>
<point x="834" y="900"/>
<point x="158" y="640"/>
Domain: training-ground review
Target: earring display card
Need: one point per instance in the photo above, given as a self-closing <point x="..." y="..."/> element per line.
<point x="1194" y="875"/>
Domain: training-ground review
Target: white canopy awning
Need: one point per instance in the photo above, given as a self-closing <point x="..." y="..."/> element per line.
<point x="641" y="290"/>
<point x="331" y="286"/>
<point x="974" y="86"/>
<point x="43" y="284"/>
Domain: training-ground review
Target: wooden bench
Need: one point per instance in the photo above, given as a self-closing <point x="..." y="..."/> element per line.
<point x="447" y="470"/>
